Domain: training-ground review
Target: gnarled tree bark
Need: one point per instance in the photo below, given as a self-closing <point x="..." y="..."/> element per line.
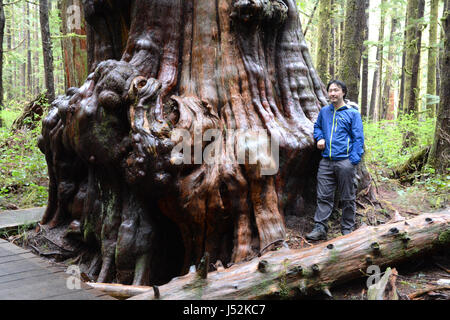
<point x="192" y="65"/>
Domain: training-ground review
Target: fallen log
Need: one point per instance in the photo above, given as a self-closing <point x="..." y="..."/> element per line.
<point x="119" y="290"/>
<point x="424" y="291"/>
<point x="31" y="114"/>
<point x="413" y="164"/>
<point x="287" y="272"/>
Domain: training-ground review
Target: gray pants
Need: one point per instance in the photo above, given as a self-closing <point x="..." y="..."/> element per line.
<point x="331" y="173"/>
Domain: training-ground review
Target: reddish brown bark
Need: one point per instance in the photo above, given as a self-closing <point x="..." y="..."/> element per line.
<point x="183" y="65"/>
<point x="74" y="44"/>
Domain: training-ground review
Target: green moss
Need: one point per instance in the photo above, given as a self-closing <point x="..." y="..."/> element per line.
<point x="444" y="237"/>
<point x="411" y="252"/>
<point x="307" y="272"/>
<point x="334" y="256"/>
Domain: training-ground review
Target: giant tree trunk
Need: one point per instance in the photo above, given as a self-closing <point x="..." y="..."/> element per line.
<point x="114" y="163"/>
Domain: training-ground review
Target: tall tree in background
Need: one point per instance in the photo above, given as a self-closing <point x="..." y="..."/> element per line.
<point x="331" y="43"/>
<point x="2" y="33"/>
<point x="365" y="63"/>
<point x="415" y="11"/>
<point x="73" y="44"/>
<point x="47" y="49"/>
<point x="29" y="85"/>
<point x="389" y="71"/>
<point x="9" y="46"/>
<point x="432" y="55"/>
<point x="324" y="33"/>
<point x="440" y="54"/>
<point x="350" y="61"/>
<point x="36" y="54"/>
<point x="377" y="75"/>
<point x="439" y="157"/>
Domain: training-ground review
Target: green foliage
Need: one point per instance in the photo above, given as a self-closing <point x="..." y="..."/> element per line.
<point x="384" y="151"/>
<point x="23" y="169"/>
<point x="384" y="140"/>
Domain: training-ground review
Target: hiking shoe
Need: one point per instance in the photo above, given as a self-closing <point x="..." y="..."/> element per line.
<point x="318" y="233"/>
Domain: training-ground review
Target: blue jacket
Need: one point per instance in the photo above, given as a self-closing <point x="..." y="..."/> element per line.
<point x="342" y="130"/>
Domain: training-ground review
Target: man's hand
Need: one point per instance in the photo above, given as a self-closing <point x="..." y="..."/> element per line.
<point x="321" y="144"/>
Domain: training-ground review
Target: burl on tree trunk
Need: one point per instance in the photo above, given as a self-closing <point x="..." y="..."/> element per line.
<point x="113" y="157"/>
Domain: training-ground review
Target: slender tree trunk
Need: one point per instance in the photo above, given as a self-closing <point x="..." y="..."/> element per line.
<point x="29" y="72"/>
<point x="324" y="31"/>
<point x="37" y="70"/>
<point x="47" y="49"/>
<point x="332" y="41"/>
<point x="440" y="55"/>
<point x="381" y="59"/>
<point x="389" y="70"/>
<point x="23" y="53"/>
<point x="74" y="48"/>
<point x="2" y="32"/>
<point x="412" y="61"/>
<point x="9" y="63"/>
<point x="412" y="64"/>
<point x="432" y="55"/>
<point x="350" y="62"/>
<point x="377" y="75"/>
<point x="402" y="77"/>
<point x="14" y="42"/>
<point x="439" y="156"/>
<point x="365" y="63"/>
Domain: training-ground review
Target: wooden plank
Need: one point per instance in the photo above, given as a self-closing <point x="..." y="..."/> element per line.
<point x="11" y="249"/>
<point x="75" y="295"/>
<point x="16" y="257"/>
<point x="39" y="287"/>
<point x="26" y="276"/>
<point x="15" y="218"/>
<point x="18" y="266"/>
<point x="23" y="275"/>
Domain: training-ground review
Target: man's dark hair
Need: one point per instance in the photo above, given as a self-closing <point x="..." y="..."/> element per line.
<point x="340" y="84"/>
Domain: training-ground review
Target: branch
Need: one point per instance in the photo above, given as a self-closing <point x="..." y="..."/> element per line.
<point x="310" y="19"/>
<point x="12" y="49"/>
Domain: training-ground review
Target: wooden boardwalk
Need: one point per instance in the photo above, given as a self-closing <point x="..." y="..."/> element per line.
<point x="15" y="218"/>
<point x="24" y="276"/>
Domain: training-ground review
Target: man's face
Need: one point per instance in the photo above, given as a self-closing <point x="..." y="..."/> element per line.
<point x="335" y="93"/>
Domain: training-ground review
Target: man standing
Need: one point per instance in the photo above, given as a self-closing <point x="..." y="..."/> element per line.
<point x="339" y="133"/>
